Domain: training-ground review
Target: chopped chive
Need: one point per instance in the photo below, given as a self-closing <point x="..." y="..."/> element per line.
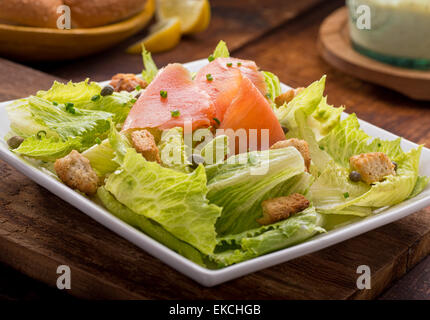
<point x="346" y="195"/>
<point x="40" y="134"/>
<point x="239" y="64"/>
<point x="175" y="113"/>
<point x="217" y="121"/>
<point x="321" y="147"/>
<point x="229" y="64"/>
<point x="379" y="145"/>
<point x="209" y="77"/>
<point x="70" y="107"/>
<point x="163" y="94"/>
<point x="211" y="58"/>
<point x="95" y="98"/>
<point x="133" y="100"/>
<point x="98" y="140"/>
<point x="138" y="87"/>
<point x="55" y="103"/>
<point x="268" y="95"/>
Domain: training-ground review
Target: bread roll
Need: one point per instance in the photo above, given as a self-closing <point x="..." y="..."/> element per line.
<point x="36" y="13"/>
<point x="93" y="13"/>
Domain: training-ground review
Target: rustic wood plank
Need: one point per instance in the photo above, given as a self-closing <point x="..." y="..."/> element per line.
<point x="238" y="22"/>
<point x="38" y="231"/>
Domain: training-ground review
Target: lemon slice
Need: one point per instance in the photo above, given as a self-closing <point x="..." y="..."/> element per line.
<point x="194" y="14"/>
<point x="163" y="36"/>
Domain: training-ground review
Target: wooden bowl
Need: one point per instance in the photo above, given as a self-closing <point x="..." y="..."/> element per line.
<point x="41" y="44"/>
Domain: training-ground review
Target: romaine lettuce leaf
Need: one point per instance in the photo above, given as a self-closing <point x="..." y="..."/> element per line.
<point x="86" y="95"/>
<point x="273" y="85"/>
<point x="216" y="150"/>
<point x="173" y="152"/>
<point x="243" y="181"/>
<point x="47" y="148"/>
<point x="265" y="239"/>
<point x="334" y="193"/>
<point x="101" y="157"/>
<point x="78" y="93"/>
<point x="86" y="124"/>
<point x="150" y="70"/>
<point x="151" y="228"/>
<point x="347" y="140"/>
<point x="175" y="200"/>
<point x="108" y="155"/>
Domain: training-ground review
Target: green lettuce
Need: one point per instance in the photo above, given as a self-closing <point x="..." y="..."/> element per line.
<point x="108" y="155"/>
<point x="150" y="70"/>
<point x="255" y="242"/>
<point x="151" y="228"/>
<point x="303" y="118"/>
<point x="273" y="85"/>
<point x="221" y="50"/>
<point x="175" y="200"/>
<point x="173" y="152"/>
<point x="47" y="148"/>
<point x="334" y="192"/>
<point x="242" y="182"/>
<point x="86" y="95"/>
<point x="53" y="130"/>
<point x="216" y="150"/>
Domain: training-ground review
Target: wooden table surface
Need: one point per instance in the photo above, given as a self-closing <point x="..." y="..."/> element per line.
<point x="39" y="231"/>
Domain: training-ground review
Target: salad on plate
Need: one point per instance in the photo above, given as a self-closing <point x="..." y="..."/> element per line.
<point x="219" y="165"/>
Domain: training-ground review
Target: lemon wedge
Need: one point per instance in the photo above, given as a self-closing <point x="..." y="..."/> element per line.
<point x="163" y="36"/>
<point x="195" y="15"/>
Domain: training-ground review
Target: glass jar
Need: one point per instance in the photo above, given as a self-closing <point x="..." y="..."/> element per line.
<point x="392" y="31"/>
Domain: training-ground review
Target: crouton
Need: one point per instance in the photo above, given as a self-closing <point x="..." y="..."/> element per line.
<point x="143" y="141"/>
<point x="373" y="167"/>
<point x="281" y="208"/>
<point x="76" y="172"/>
<point x="127" y="82"/>
<point x="287" y="96"/>
<point x="301" y="145"/>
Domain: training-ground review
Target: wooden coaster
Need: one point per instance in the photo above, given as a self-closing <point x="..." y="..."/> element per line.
<point x="334" y="45"/>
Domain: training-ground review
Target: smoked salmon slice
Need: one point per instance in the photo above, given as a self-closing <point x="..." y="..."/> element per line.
<point x="183" y="101"/>
<point x="251" y="110"/>
<point x="225" y="77"/>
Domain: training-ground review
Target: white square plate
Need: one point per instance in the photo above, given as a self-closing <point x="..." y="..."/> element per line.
<point x="202" y="275"/>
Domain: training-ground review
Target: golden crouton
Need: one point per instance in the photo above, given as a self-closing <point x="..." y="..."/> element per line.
<point x="143" y="141"/>
<point x="127" y="82"/>
<point x="373" y="167"/>
<point x="281" y="208"/>
<point x="287" y="96"/>
<point x="301" y="145"/>
<point x="76" y="172"/>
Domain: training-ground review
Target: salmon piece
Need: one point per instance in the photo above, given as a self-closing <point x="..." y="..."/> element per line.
<point x="226" y="80"/>
<point x="251" y="110"/>
<point x="151" y="110"/>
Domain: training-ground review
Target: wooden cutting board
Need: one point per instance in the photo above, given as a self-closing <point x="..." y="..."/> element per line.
<point x="39" y="232"/>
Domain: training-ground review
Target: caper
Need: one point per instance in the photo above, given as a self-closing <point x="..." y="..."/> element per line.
<point x="355" y="176"/>
<point x="107" y="90"/>
<point x="15" y="141"/>
<point x="285" y="129"/>
<point x="395" y="165"/>
<point x="195" y="160"/>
